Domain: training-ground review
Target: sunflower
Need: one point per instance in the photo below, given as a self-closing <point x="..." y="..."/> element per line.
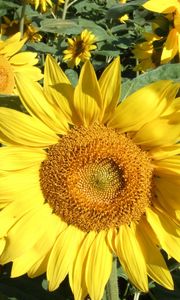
<point x="97" y="179"/>
<point x="79" y="48"/>
<point x="9" y="28"/>
<point x="13" y="63"/>
<point x="42" y="4"/>
<point x="146" y="53"/>
<point x="171" y="46"/>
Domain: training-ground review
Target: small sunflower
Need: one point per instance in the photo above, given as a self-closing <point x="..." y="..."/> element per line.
<point x="42" y="4"/>
<point x="9" y="28"/>
<point x="79" y="48"/>
<point x="13" y="63"/>
<point x="97" y="179"/>
<point x="148" y="56"/>
<point x="171" y="46"/>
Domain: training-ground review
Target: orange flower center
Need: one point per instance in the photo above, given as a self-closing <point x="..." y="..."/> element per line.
<point x="6" y="76"/>
<point x="96" y="178"/>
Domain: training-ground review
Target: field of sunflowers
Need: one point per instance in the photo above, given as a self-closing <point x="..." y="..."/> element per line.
<point x="89" y="149"/>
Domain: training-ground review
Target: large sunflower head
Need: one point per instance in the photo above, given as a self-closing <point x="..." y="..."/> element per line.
<point x="96" y="176"/>
<point x="79" y="48"/>
<point x="13" y="62"/>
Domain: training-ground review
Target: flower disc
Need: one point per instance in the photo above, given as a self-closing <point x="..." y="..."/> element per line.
<point x="6" y="76"/>
<point x="96" y="178"/>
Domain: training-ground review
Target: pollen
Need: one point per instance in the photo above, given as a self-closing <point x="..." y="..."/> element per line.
<point x="6" y="76"/>
<point x="96" y="178"/>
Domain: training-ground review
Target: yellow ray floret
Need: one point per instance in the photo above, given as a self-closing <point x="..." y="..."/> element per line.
<point x="98" y="178"/>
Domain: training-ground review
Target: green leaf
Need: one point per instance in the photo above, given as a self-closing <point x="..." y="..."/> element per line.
<point x="121" y="273"/>
<point x="72" y="76"/>
<point x="8" y="4"/>
<point x="122" y="9"/>
<point x="100" y="33"/>
<point x="113" y="53"/>
<point x="11" y="101"/>
<point x="60" y="26"/>
<point x="171" y="71"/>
<point x="41" y="47"/>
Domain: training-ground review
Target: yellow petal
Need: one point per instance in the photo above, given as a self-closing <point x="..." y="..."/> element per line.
<point x="14" y="211"/>
<point x="98" y="266"/>
<point x="21" y="129"/>
<point x="169" y="191"/>
<point x="58" y="88"/>
<point x="141" y="107"/>
<point x="156" y="266"/>
<point x="87" y="97"/>
<point x="24" y="58"/>
<point x="161" y="131"/>
<point x="168" y="211"/>
<point x="109" y="83"/>
<point x="14" y="38"/>
<point x="62" y="255"/>
<point x="131" y="257"/>
<point x="2" y="245"/>
<point x="164" y="152"/>
<point x="26" y="228"/>
<point x="39" y="267"/>
<point x="169" y="166"/>
<point x="10" y="49"/>
<point x="37" y="105"/>
<point x="22" y="264"/>
<point x="77" y="273"/>
<point x="23" y="185"/>
<point x="170" y="47"/>
<point x="34" y="73"/>
<point x="161" y="6"/>
<point x="111" y="237"/>
<point x="15" y="158"/>
<point x="164" y="231"/>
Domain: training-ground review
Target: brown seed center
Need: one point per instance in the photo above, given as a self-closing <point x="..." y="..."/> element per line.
<point x="96" y="178"/>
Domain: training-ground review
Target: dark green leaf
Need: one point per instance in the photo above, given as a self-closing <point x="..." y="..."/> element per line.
<point x="122" y="9"/>
<point x="41" y="47"/>
<point x="60" y="26"/>
<point x="72" y="75"/>
<point x="8" y="4"/>
<point x="11" y="101"/>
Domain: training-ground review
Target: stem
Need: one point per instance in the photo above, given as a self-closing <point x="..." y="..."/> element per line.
<point x="111" y="290"/>
<point x="65" y="9"/>
<point x="71" y="3"/>
<point x="137" y="295"/>
<point x="126" y="291"/>
<point x="56" y="7"/>
<point x="21" y="24"/>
